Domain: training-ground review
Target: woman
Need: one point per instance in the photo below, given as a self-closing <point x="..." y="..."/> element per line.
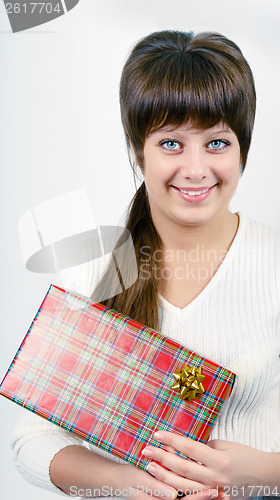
<point x="208" y="278"/>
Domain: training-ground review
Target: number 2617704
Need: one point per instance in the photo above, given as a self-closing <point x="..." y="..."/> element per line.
<point x="32" y="8"/>
<point x="252" y="491"/>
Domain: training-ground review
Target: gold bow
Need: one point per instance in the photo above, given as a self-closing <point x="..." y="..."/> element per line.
<point x="188" y="382"/>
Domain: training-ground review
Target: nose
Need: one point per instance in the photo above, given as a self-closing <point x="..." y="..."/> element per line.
<point x="193" y="164"/>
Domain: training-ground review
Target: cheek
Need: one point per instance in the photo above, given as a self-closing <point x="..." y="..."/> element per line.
<point x="229" y="170"/>
<point x="156" y="176"/>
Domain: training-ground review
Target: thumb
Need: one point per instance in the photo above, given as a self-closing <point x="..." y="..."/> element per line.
<point x="218" y="444"/>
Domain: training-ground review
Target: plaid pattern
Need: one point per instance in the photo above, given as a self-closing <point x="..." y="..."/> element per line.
<point x="108" y="378"/>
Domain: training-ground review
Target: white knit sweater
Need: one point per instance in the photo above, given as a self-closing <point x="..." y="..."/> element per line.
<point x="234" y="321"/>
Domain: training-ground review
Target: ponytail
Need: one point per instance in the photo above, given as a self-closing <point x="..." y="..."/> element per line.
<point x="140" y="300"/>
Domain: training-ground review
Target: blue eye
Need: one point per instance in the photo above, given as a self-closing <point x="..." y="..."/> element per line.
<point x="170" y="145"/>
<point x="217" y="143"/>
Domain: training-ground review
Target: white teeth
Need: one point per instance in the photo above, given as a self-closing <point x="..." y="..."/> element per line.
<point x="193" y="193"/>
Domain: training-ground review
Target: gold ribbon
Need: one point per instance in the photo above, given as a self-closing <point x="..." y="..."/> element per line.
<point x="188" y="382"/>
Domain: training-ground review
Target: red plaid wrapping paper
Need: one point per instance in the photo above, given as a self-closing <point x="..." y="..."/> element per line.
<point x="107" y="378"/>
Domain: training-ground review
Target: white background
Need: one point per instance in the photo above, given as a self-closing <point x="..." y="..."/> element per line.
<point x="61" y="130"/>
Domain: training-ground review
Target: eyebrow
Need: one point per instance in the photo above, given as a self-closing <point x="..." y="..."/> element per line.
<point x="223" y="131"/>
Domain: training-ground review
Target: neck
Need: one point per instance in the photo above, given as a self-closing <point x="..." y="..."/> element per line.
<point x="217" y="232"/>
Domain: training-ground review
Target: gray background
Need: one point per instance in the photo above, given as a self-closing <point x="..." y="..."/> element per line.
<point x="61" y="130"/>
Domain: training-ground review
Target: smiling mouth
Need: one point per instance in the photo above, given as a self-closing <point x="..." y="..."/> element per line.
<point x="194" y="191"/>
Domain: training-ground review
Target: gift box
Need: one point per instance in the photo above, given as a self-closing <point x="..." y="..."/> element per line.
<point x="112" y="380"/>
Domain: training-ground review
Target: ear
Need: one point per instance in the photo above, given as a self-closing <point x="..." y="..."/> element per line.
<point x="133" y="154"/>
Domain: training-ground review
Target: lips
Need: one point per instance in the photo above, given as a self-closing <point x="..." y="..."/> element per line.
<point x="191" y="191"/>
<point x="202" y="188"/>
<point x="194" y="195"/>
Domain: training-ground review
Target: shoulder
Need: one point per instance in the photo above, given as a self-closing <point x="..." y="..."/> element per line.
<point x="259" y="236"/>
<point x="259" y="253"/>
<point x="84" y="277"/>
<point x="94" y="256"/>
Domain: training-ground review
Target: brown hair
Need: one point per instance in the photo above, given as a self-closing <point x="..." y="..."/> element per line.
<point x="171" y="78"/>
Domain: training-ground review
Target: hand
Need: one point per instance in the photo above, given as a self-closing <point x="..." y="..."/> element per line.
<point x="133" y="482"/>
<point x="226" y="466"/>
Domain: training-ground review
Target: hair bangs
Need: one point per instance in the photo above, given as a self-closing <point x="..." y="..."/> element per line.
<point x="188" y="92"/>
<point x="172" y="78"/>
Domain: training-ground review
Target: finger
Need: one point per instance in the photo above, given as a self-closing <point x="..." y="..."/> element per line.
<point x="180" y="466"/>
<point x="136" y="493"/>
<point x="154" y="486"/>
<point x="186" y="486"/>
<point x="144" y="493"/>
<point x="193" y="449"/>
<point x="218" y="444"/>
<point x="170" y="449"/>
<point x="201" y="495"/>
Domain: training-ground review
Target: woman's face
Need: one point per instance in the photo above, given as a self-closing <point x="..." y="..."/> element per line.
<point x="191" y="174"/>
